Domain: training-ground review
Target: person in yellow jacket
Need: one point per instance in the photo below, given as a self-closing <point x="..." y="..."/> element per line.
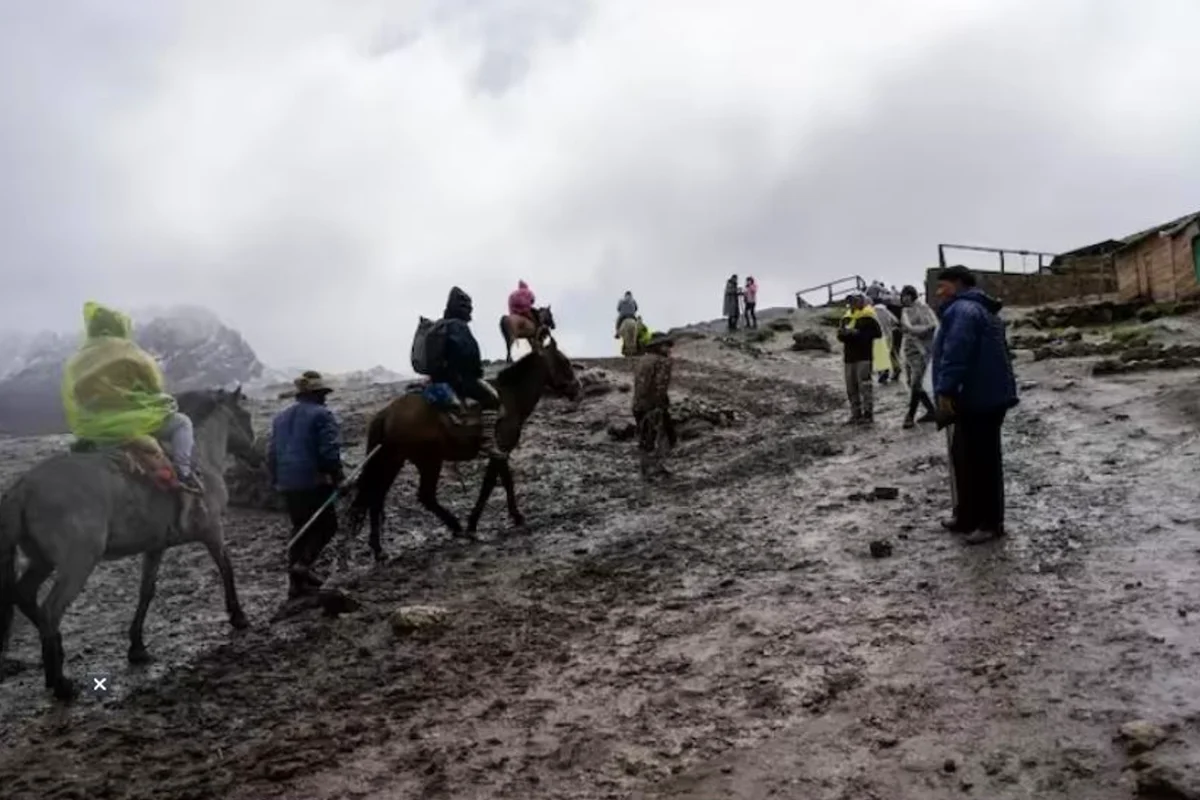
<point x="114" y="393"/>
<point x="643" y="335"/>
<point x="861" y="337"/>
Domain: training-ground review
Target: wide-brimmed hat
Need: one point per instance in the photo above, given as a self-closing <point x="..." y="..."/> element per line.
<point x="311" y="382"/>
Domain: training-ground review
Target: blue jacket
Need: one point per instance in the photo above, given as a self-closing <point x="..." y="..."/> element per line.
<point x="970" y="354"/>
<point x="305" y="448"/>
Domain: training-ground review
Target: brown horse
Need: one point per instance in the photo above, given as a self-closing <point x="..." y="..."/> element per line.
<point x="515" y="326"/>
<point x="410" y="429"/>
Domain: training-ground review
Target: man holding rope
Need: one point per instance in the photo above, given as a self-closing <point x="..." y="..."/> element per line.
<point x="305" y="461"/>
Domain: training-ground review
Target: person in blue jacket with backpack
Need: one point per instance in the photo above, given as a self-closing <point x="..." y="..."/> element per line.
<point x="975" y="387"/>
<point x="454" y="359"/>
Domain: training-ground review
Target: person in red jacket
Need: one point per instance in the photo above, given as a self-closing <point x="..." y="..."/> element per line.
<point x="520" y="302"/>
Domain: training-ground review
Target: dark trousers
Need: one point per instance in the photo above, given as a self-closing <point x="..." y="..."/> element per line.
<point x="751" y="317"/>
<point x="918" y="397"/>
<point x="979" y="470"/>
<point x="301" y="505"/>
<point x="733" y="322"/>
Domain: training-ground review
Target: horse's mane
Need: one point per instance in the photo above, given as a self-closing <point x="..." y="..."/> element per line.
<point x="516" y="373"/>
<point x="198" y="404"/>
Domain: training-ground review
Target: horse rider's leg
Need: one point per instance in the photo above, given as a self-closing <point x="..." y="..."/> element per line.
<point x="430" y="471"/>
<point x="382" y="481"/>
<point x="510" y="495"/>
<point x="181" y="437"/>
<point x="215" y="542"/>
<point x="490" y="474"/>
<point x="137" y="645"/>
<point x="489" y="418"/>
<point x="68" y="583"/>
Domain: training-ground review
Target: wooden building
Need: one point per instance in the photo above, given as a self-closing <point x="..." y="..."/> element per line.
<point x="1159" y="264"/>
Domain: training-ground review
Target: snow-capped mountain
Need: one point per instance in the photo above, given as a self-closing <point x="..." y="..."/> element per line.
<point x="195" y="348"/>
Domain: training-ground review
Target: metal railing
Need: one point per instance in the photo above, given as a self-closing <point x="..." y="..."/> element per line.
<point x="835" y="290"/>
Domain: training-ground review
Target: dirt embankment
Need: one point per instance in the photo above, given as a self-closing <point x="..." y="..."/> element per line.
<point x="725" y="634"/>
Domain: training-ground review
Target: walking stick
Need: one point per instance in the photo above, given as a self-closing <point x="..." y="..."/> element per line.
<point x="950" y="457"/>
<point x="333" y="497"/>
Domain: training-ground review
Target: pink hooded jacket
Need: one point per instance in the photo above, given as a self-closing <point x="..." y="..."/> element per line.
<point x="751" y="290"/>
<point x="521" y="301"/>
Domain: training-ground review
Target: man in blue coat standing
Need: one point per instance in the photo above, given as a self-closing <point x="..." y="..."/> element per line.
<point x="305" y="461"/>
<point x="974" y="384"/>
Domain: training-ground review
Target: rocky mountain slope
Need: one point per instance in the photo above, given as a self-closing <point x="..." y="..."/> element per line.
<point x="196" y="349"/>
<point x="783" y="617"/>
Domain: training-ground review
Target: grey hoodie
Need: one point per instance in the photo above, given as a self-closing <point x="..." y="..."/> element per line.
<point x="626" y="307"/>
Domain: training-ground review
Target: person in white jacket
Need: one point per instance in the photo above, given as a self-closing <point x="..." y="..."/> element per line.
<point x="919" y="324"/>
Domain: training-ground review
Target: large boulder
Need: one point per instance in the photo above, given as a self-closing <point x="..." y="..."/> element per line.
<point x="811" y="341"/>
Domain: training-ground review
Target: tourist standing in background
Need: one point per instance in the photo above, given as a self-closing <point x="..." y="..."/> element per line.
<point x="919" y="324"/>
<point x="731" y="307"/>
<point x="750" y="297"/>
<point x="858" y="332"/>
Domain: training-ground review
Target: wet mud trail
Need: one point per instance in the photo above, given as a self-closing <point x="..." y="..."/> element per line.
<point x="724" y="634"/>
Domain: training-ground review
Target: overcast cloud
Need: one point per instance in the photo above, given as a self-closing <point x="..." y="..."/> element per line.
<point x="320" y="172"/>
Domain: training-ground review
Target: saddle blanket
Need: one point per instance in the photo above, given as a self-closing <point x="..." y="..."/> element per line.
<point x="143" y="458"/>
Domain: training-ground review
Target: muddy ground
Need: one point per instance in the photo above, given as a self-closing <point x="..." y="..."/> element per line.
<point x="724" y="634"/>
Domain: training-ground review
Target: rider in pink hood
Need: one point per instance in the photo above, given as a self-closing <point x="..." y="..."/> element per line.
<point x="521" y="300"/>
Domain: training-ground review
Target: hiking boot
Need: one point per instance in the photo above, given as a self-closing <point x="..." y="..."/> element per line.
<point x="953" y="525"/>
<point x="866" y="420"/>
<point x="908" y="423"/>
<point x="302" y="580"/>
<point x="984" y="535"/>
<point x="190" y="484"/>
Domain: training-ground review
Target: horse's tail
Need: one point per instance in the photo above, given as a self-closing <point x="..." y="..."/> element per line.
<point x="366" y="487"/>
<point x="12" y="527"/>
<point x="504" y="326"/>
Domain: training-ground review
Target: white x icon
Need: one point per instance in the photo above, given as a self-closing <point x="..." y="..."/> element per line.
<point x="99" y="687"/>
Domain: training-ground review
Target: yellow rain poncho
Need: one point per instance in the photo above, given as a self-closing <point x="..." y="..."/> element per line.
<point x="881" y="352"/>
<point x="113" y="391"/>
<point x="643" y="333"/>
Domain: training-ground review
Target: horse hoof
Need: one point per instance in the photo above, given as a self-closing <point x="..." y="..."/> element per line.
<point x="65" y="690"/>
<point x="238" y="621"/>
<point x="139" y="655"/>
<point x="379" y="557"/>
<point x="518" y="521"/>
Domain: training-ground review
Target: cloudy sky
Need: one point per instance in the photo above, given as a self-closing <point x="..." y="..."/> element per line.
<point x="320" y="172"/>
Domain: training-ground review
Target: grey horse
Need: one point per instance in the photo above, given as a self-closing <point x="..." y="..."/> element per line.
<point x="76" y="509"/>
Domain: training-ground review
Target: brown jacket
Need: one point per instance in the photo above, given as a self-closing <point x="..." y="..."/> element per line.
<point x="651" y="381"/>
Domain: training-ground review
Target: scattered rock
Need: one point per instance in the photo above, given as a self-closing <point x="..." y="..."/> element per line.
<point x="880" y="548"/>
<point x="1165" y="783"/>
<point x="1140" y="736"/>
<point x="810" y="340"/>
<point x="623" y="431"/>
<point x="886" y="493"/>
<point x="413" y="619"/>
<point x="250" y="485"/>
<point x="595" y="382"/>
<point x="949" y="766"/>
<point x="782" y="325"/>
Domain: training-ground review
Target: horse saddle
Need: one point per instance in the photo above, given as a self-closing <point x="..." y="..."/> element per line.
<point x="143" y="458"/>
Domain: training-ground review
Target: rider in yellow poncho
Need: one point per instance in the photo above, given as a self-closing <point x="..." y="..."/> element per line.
<point x="114" y="393"/>
<point x="643" y="335"/>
